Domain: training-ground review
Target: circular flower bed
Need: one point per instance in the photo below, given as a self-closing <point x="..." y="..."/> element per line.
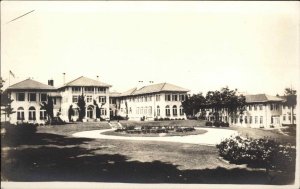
<point x="145" y="131"/>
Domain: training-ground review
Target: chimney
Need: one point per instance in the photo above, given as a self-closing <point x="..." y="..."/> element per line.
<point x="97" y="77"/>
<point x="51" y="82"/>
<point x="64" y="78"/>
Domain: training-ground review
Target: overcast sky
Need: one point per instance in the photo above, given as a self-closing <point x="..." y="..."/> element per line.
<point x="251" y="46"/>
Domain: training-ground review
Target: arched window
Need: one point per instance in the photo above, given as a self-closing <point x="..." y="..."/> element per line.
<point x="20" y="113"/>
<point x="158" y="111"/>
<point x="32" y="113"/>
<point x="174" y="110"/>
<point x="167" y="110"/>
<point x="90" y="111"/>
<point x="43" y="114"/>
<point x="181" y="110"/>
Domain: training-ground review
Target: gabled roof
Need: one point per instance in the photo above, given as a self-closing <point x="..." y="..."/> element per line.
<point x="85" y="82"/>
<point x="30" y="84"/>
<point x="161" y="87"/>
<point x="262" y="98"/>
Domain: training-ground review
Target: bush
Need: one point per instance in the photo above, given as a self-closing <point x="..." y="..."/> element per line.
<point x="217" y="124"/>
<point x="18" y="133"/>
<point x="262" y="153"/>
<point x="208" y="123"/>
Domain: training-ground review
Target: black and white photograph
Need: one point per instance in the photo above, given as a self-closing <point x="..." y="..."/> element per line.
<point x="150" y="94"/>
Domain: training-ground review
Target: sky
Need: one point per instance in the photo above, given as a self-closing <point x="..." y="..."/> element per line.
<point x="201" y="46"/>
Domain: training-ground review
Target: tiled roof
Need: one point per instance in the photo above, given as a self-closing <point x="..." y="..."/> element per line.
<point x="86" y="82"/>
<point x="114" y="94"/>
<point x="262" y="98"/>
<point x="30" y="84"/>
<point x="161" y="87"/>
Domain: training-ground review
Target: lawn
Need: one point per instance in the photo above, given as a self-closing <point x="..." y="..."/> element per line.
<point x="52" y="154"/>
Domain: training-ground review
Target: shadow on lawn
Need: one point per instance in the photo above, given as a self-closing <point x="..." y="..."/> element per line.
<point x="60" y="163"/>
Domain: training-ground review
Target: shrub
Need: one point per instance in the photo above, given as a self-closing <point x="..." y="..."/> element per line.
<point x="208" y="123"/>
<point x="263" y="153"/>
<point x="20" y="132"/>
<point x="217" y="124"/>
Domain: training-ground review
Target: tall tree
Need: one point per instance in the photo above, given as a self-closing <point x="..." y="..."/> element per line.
<point x="82" y="107"/>
<point x="194" y="104"/>
<point x="291" y="101"/>
<point x="48" y="106"/>
<point x="97" y="109"/>
<point x="70" y="113"/>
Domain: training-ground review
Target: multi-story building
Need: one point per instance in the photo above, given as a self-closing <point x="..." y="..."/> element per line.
<point x="95" y="93"/>
<point x="27" y="97"/>
<point x="262" y="111"/>
<point x="161" y="100"/>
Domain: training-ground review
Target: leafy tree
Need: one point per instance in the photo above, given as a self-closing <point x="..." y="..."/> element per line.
<point x="193" y="104"/>
<point x="291" y="100"/>
<point x="82" y="106"/>
<point x="225" y="98"/>
<point x="48" y="106"/>
<point x="6" y="102"/>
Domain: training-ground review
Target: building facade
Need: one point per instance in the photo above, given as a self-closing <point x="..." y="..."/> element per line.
<point x="261" y="111"/>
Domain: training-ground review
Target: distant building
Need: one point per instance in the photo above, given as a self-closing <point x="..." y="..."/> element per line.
<point x="159" y="101"/>
<point x="262" y="111"/>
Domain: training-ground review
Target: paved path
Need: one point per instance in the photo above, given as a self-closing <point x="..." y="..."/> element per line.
<point x="211" y="137"/>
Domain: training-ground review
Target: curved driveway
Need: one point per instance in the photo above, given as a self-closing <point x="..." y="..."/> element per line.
<point x="211" y="137"/>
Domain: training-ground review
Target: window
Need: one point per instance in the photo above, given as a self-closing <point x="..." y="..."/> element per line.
<point x="76" y="89"/>
<point x="31" y="97"/>
<point x="284" y="117"/>
<point x="294" y="117"/>
<point x="100" y="90"/>
<point x="20" y="113"/>
<point x="158" y="111"/>
<point x="89" y="99"/>
<point x="174" y="97"/>
<point x="167" y="110"/>
<point x="157" y="97"/>
<point x="246" y="121"/>
<point x="255" y="107"/>
<point x="174" y="110"/>
<point x="90" y="111"/>
<point x="260" y="107"/>
<point x="182" y="97"/>
<point x="130" y="110"/>
<point x="271" y="106"/>
<point x="89" y="89"/>
<point x="102" y="99"/>
<point x="43" y="115"/>
<point x="250" y="120"/>
<point x="261" y="119"/>
<point x="20" y="96"/>
<point x="181" y="110"/>
<point x="167" y="97"/>
<point x="75" y="99"/>
<point x="137" y="110"/>
<point x="250" y="107"/>
<point x="102" y="111"/>
<point x="255" y="119"/>
<point x="289" y="118"/>
<point x="32" y="113"/>
<point x="43" y="97"/>
<point x="241" y="119"/>
<point x="54" y="100"/>
<point x="150" y="98"/>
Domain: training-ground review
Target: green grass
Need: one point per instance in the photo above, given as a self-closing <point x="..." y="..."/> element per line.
<point x="53" y="154"/>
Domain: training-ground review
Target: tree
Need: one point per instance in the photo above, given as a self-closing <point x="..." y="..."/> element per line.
<point x="291" y="101"/>
<point x="194" y="104"/>
<point x="225" y="98"/>
<point x="48" y="106"/>
<point x="81" y="104"/>
<point x="6" y="102"/>
<point x="70" y="113"/>
<point x="97" y="109"/>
